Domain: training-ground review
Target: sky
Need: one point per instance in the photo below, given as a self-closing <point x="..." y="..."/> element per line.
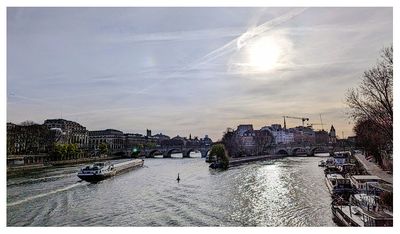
<point x="197" y="71"/>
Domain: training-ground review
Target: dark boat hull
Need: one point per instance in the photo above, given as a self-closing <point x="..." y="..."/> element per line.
<point x="94" y="178"/>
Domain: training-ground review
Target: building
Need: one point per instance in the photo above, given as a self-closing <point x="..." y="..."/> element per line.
<point x="71" y="132"/>
<point x="241" y="129"/>
<point x="281" y="135"/>
<point x="248" y="140"/>
<point x="175" y="141"/>
<point x="206" y="141"/>
<point x="251" y="142"/>
<point x="160" y="138"/>
<point x="28" y="139"/>
<point x="321" y="137"/>
<point x="303" y="135"/>
<point x="332" y="135"/>
<point x="113" y="138"/>
<point x="148" y="132"/>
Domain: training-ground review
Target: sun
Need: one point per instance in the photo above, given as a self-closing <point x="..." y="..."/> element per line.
<point x="264" y="54"/>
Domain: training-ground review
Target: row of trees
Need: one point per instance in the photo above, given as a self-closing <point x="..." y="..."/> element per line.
<point x="65" y="151"/>
<point x="29" y="138"/>
<point x="371" y="108"/>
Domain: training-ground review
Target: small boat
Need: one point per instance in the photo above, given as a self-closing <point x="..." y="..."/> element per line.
<point x="330" y="162"/>
<point x="321" y="163"/>
<point x="216" y="165"/>
<point x="331" y="170"/>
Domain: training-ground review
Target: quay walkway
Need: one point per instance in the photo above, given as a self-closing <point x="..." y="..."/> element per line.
<point x="374" y="169"/>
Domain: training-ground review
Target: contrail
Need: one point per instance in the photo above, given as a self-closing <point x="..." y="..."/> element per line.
<point x="235" y="44"/>
<point x="252" y="33"/>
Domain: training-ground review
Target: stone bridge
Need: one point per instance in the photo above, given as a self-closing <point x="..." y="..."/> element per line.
<point x="309" y="150"/>
<point x="166" y="151"/>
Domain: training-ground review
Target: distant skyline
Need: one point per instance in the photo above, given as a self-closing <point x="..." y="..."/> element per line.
<point x="189" y="70"/>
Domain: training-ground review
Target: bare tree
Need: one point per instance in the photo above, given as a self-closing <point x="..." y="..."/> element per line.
<point x="28" y="123"/>
<point x="373" y="99"/>
<point x="263" y="139"/>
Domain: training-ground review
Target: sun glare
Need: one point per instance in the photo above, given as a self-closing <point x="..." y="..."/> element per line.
<point x="264" y="54"/>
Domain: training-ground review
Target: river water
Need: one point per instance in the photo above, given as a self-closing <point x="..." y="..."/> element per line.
<point x="281" y="192"/>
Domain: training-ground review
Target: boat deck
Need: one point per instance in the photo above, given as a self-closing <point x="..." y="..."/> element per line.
<point x="355" y="218"/>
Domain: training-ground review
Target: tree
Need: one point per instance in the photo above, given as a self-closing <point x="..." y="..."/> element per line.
<point x="60" y="151"/>
<point x="372" y="101"/>
<point x="218" y="150"/>
<point x="103" y="148"/>
<point x="150" y="145"/>
<point x="387" y="199"/>
<point x="263" y="139"/>
<point x="28" y="123"/>
<point x="72" y="150"/>
<point x="232" y="143"/>
<point x="370" y="138"/>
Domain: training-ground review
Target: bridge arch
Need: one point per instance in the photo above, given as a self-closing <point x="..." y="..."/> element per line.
<point x="204" y="153"/>
<point x="186" y="153"/>
<point x="152" y="153"/>
<point x="282" y="152"/>
<point x="318" y="149"/>
<point x="168" y="153"/>
<point x="296" y="149"/>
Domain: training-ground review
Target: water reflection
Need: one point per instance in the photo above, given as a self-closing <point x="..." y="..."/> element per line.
<point x="284" y="192"/>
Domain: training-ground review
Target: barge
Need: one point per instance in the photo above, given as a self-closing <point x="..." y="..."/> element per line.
<point x="354" y="216"/>
<point x="338" y="185"/>
<point x="103" y="170"/>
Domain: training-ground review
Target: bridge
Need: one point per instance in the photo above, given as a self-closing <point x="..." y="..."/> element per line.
<point x="167" y="151"/>
<point x="309" y="150"/>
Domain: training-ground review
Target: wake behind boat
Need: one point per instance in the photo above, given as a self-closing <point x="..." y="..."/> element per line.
<point x="103" y="170"/>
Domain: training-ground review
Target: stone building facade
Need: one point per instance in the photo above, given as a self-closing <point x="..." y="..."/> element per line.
<point x="71" y="132"/>
<point x="281" y="135"/>
<point x="113" y="138"/>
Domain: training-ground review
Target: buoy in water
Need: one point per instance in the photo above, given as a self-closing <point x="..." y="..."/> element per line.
<point x="178" y="179"/>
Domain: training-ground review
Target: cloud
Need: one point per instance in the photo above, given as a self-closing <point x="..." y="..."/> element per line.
<point x="168" y="68"/>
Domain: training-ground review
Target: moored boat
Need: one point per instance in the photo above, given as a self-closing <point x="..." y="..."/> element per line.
<point x="321" y="163"/>
<point x="351" y="215"/>
<point x="337" y="184"/>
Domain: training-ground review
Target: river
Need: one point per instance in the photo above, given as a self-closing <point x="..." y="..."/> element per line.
<point x="283" y="192"/>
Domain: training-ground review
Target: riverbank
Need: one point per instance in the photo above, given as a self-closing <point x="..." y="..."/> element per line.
<point x="83" y="160"/>
<point x="17" y="170"/>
